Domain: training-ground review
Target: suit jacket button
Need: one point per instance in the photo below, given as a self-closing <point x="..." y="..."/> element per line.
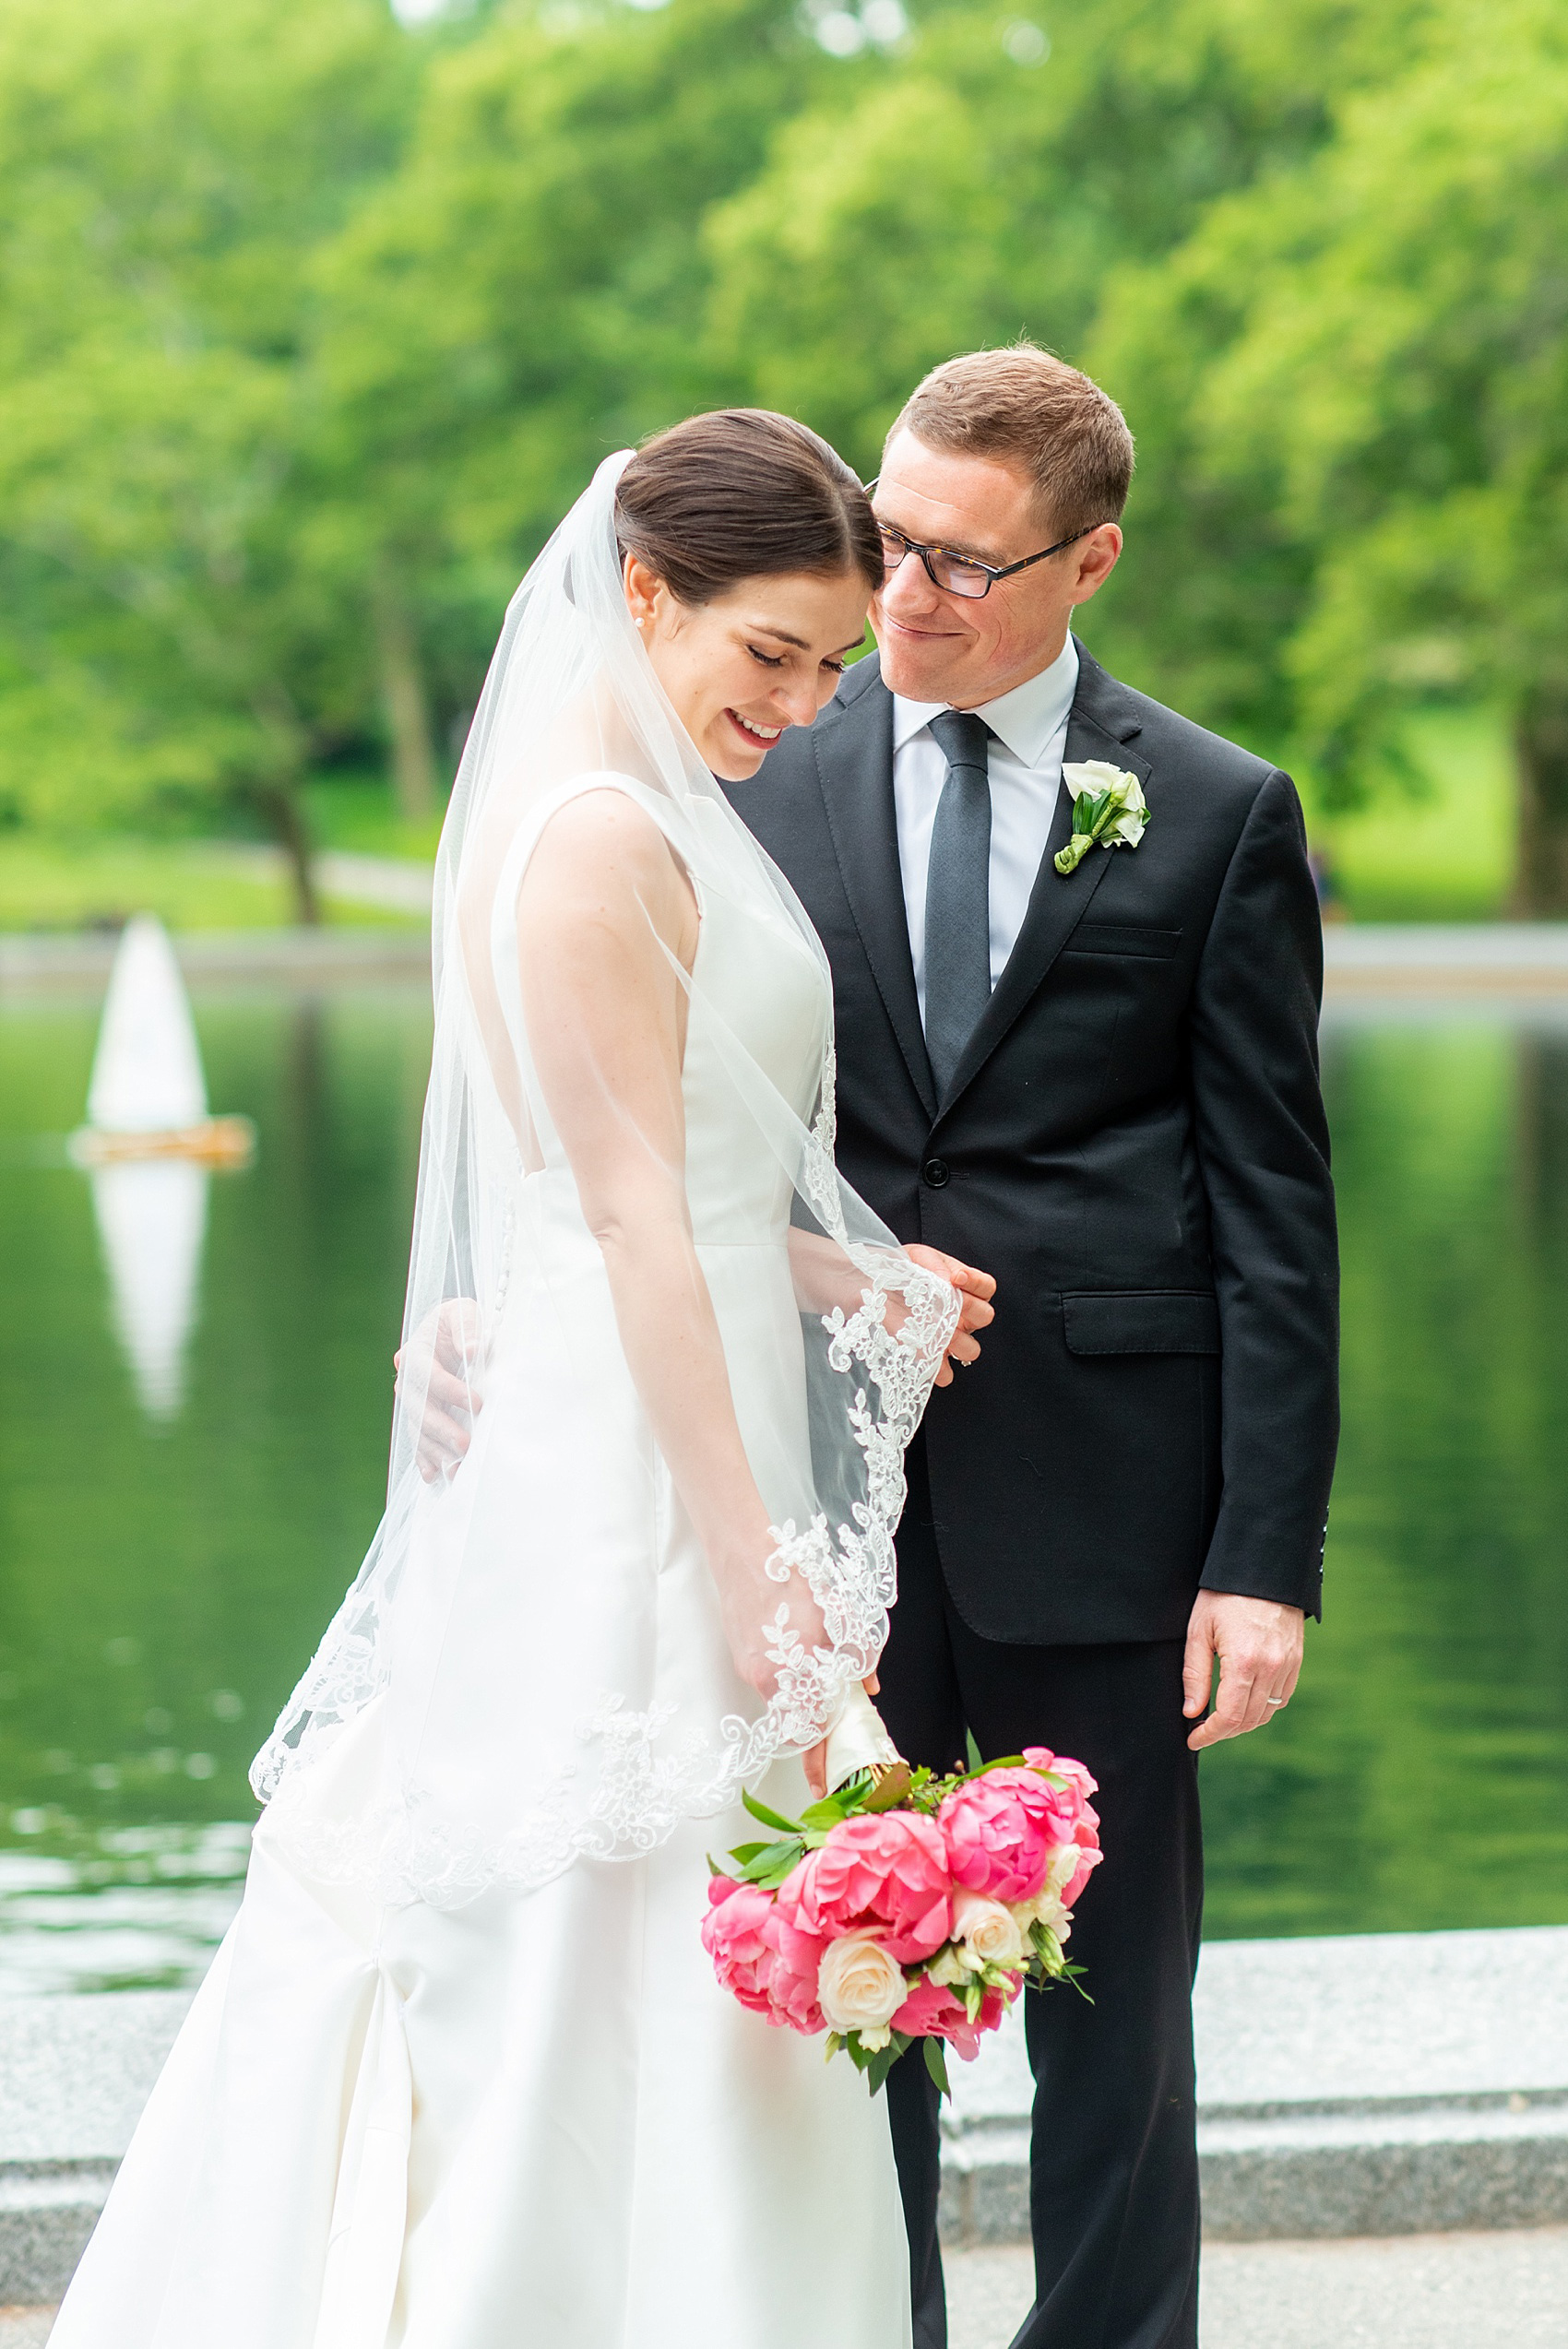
<point x="935" y="1172"/>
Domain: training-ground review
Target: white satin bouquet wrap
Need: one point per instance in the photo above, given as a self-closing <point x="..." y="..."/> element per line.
<point x="528" y="1667"/>
<point x="857" y="1741"/>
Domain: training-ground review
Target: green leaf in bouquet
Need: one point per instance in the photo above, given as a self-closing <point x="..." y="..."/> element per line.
<point x="879" y="2065"/>
<point x="745" y="1853"/>
<point x="976" y="1758"/>
<point x="771" y="1863"/>
<point x="769" y="1818"/>
<point x="831" y="1812"/>
<point x="936" y="2064"/>
<point x="891" y="1790"/>
<point x="773" y="1867"/>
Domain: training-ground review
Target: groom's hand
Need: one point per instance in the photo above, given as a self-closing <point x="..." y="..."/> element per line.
<point x="1258" y="1643"/>
<point x="975" y="1290"/>
<point x="437" y="1373"/>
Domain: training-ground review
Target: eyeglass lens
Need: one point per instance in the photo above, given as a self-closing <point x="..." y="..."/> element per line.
<point x="949" y="571"/>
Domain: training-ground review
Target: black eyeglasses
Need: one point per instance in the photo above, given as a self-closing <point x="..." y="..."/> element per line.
<point x="956" y="574"/>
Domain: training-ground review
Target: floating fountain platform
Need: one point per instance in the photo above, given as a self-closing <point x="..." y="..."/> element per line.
<point x="148" y="1097"/>
<point x="225" y="1144"/>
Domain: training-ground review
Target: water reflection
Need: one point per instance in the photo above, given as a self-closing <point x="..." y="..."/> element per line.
<point x="144" y="1910"/>
<point x="162" y="1583"/>
<point x="151" y="1216"/>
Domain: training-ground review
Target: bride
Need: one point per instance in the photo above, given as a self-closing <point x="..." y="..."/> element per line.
<point x="461" y="2077"/>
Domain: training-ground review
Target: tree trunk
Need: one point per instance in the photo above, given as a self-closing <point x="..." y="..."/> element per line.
<point x="286" y="814"/>
<point x="408" y="707"/>
<point x="1540" y="889"/>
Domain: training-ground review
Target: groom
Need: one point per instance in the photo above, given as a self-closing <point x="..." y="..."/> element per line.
<point x="1102" y="1086"/>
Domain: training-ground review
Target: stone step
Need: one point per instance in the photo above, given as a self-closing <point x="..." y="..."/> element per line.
<point x="1371" y="2085"/>
<point x="1362" y="2170"/>
<point x="1365" y="2084"/>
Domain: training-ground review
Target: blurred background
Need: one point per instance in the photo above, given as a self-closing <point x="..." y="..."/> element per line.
<point x="313" y="319"/>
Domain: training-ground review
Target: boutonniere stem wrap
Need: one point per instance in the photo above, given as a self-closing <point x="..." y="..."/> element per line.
<point x="1108" y="809"/>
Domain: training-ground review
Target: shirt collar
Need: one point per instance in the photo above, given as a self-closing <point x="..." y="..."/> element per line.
<point x="1026" y="720"/>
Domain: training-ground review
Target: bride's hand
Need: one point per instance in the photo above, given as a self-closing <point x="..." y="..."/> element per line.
<point x="750" y="1600"/>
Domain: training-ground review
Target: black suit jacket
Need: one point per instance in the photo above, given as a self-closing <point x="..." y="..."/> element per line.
<point x="1133" y="1143"/>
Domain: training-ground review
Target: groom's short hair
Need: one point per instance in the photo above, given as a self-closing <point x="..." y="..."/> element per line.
<point x="1033" y="411"/>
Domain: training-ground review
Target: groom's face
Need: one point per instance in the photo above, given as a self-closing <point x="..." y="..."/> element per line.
<point x="967" y="651"/>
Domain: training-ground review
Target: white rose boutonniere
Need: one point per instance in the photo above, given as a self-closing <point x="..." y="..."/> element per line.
<point x="1108" y="807"/>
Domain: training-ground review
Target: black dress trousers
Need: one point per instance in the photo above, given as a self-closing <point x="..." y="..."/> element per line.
<point x="1113" y="2170"/>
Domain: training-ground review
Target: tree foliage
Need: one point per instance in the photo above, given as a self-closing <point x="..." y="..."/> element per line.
<point x="311" y="327"/>
<point x="177" y="623"/>
<point x="1357" y="377"/>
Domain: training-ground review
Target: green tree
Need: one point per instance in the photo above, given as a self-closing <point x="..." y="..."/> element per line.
<point x="526" y="294"/>
<point x="179" y="614"/>
<point x="993" y="179"/>
<point x="1361" y="378"/>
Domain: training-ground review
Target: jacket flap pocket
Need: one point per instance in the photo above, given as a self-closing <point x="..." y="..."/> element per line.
<point x="1142" y="1321"/>
<point x="1124" y="938"/>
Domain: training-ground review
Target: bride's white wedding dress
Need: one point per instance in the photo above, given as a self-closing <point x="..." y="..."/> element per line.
<point x="455" y="2082"/>
<point x="535" y="2122"/>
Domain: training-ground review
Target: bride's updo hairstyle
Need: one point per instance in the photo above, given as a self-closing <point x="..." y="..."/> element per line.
<point x="744" y="494"/>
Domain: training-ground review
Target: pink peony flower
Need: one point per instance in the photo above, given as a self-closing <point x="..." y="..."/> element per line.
<point x="793" y="1978"/>
<point x="889" y="1869"/>
<point x="1074" y="1804"/>
<point x="1002" y="1828"/>
<point x="735" y="1934"/>
<point x="933" y="2011"/>
<point x="760" y="1958"/>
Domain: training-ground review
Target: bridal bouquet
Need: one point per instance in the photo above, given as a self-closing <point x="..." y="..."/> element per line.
<point x="908" y="1906"/>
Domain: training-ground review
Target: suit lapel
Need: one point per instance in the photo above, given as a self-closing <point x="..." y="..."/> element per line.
<point x="1103" y="719"/>
<point x="853" y="744"/>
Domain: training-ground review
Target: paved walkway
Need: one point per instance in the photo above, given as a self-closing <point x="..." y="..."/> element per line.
<point x="1397" y="2292"/>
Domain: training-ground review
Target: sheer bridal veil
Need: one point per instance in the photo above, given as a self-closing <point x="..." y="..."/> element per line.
<point x="479" y="1712"/>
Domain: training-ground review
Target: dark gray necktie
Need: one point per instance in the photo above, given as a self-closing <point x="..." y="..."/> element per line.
<point x="957" y="894"/>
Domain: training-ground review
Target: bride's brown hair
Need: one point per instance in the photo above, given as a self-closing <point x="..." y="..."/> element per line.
<point x="744" y="493"/>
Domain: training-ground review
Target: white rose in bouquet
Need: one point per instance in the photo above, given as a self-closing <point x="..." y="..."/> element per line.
<point x="860" y="1988"/>
<point x="1045" y="1909"/>
<point x="987" y="1931"/>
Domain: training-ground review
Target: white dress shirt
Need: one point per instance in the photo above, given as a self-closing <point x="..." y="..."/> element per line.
<point x="1024" y="768"/>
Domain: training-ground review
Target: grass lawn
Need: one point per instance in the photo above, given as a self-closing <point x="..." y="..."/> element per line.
<point x="1445" y="855"/>
<point x="99" y="881"/>
<point x="360" y="813"/>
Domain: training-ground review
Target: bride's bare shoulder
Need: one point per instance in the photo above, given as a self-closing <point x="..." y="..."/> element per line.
<point x="603" y="846"/>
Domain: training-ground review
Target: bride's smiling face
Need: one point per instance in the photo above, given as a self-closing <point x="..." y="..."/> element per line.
<point x="765" y="655"/>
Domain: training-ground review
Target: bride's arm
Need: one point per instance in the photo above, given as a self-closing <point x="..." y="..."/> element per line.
<point x="603" y="907"/>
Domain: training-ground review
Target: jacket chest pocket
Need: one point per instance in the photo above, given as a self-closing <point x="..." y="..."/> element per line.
<point x="1123" y="939"/>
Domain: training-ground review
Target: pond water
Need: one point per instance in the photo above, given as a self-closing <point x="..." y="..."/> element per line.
<point x="187" y="1482"/>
